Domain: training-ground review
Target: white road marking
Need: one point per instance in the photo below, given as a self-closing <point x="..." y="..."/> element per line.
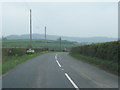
<point x="56" y="57"/>
<point x="72" y="81"/>
<point x="62" y="69"/>
<point x="56" y="54"/>
<point x="58" y="63"/>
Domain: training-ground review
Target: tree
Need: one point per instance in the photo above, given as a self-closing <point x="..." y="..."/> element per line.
<point x="4" y="38"/>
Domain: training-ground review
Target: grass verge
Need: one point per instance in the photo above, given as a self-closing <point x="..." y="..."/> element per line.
<point x="12" y="61"/>
<point x="108" y="66"/>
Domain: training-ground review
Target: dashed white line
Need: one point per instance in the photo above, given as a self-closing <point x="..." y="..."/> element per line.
<point x="55" y="57"/>
<point x="56" y="54"/>
<point x="67" y="74"/>
<point x="72" y="81"/>
<point x="58" y="63"/>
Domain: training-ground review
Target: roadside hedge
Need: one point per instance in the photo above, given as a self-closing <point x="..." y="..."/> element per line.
<point x="106" y="51"/>
<point x="19" y="51"/>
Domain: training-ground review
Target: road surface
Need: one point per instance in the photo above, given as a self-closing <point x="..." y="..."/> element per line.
<point x="58" y="70"/>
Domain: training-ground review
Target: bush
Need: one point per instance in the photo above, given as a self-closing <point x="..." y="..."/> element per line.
<point x="13" y="51"/>
<point x="106" y="51"/>
<point x="18" y="51"/>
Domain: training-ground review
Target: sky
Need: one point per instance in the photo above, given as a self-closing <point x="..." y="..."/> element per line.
<point x="77" y="19"/>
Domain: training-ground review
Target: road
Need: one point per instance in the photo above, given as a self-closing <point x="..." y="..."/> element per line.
<point x="58" y="70"/>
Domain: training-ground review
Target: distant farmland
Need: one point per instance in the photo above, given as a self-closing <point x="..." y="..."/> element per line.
<point x="51" y="44"/>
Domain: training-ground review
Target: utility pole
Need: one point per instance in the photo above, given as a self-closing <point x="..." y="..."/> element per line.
<point x="45" y="32"/>
<point x="60" y="43"/>
<point x="45" y="37"/>
<point x="30" y="28"/>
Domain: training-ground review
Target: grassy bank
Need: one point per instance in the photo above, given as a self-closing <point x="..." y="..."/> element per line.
<point x="12" y="61"/>
<point x="109" y="66"/>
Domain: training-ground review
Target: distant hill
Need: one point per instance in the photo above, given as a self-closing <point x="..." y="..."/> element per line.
<point x="54" y="37"/>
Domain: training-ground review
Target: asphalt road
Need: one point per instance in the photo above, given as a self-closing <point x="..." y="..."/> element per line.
<point x="58" y="70"/>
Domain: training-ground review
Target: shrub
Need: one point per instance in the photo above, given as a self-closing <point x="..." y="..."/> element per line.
<point x="106" y="51"/>
<point x="19" y="51"/>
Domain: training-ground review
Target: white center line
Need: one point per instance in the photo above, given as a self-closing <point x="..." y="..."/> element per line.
<point x="58" y="63"/>
<point x="72" y="81"/>
<point x="56" y="57"/>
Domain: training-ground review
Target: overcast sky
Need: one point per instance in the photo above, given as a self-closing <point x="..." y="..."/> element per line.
<point x="87" y="19"/>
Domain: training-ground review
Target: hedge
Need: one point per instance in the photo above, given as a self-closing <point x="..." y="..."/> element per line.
<point x="19" y="51"/>
<point x="106" y="51"/>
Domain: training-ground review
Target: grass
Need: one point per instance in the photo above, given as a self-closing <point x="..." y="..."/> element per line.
<point x="12" y="61"/>
<point x="106" y="65"/>
<point x="0" y="67"/>
<point x="52" y="44"/>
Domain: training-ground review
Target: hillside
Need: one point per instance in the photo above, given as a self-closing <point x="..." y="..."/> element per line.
<point x="54" y="37"/>
<point x="51" y="44"/>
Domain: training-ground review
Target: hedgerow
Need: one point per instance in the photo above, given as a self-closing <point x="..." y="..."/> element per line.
<point x="19" y="51"/>
<point x="106" y="51"/>
<point x="108" y="55"/>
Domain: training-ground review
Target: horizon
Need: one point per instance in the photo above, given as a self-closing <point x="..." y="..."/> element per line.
<point x="59" y="35"/>
<point x="56" y="37"/>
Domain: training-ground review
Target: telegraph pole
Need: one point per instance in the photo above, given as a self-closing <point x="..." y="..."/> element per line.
<point x="45" y="37"/>
<point x="45" y="32"/>
<point x="60" y="43"/>
<point x="30" y="28"/>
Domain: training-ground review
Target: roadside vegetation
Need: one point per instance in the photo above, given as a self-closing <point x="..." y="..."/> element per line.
<point x="11" y="57"/>
<point x="103" y="55"/>
<point x="12" y="61"/>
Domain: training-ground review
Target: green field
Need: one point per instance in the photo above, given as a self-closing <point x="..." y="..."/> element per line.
<point x="51" y="44"/>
